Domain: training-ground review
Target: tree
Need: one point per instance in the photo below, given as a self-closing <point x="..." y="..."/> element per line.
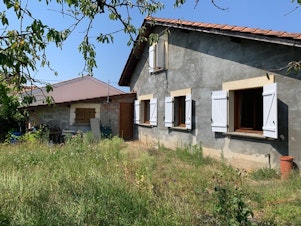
<point x="23" y="49"/>
<point x="10" y="117"/>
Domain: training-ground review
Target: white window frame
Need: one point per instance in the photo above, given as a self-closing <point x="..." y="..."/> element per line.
<point x="158" y="54"/>
<point x="169" y="119"/>
<point x="223" y="106"/>
<point x="139" y="110"/>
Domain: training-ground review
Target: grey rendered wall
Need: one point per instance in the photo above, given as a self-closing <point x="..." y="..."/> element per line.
<point x="52" y="115"/>
<point x="109" y="116"/>
<point x="203" y="62"/>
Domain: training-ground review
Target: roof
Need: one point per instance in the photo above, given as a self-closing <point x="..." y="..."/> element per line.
<point x="77" y="89"/>
<point x="278" y="37"/>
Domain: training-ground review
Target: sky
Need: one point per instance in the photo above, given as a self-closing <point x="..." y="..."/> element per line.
<point x="278" y="15"/>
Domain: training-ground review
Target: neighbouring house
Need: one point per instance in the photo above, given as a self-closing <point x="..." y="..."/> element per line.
<point x="224" y="87"/>
<point x="78" y="100"/>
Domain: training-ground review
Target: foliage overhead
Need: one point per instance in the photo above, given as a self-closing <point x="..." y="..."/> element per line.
<point x="23" y="46"/>
<point x="23" y="49"/>
<point x="10" y="117"/>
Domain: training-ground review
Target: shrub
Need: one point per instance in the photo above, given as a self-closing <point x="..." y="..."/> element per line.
<point x="230" y="207"/>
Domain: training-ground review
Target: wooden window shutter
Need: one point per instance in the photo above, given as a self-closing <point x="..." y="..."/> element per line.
<point x="137" y="112"/>
<point x="152" y="58"/>
<point x="219" y="118"/>
<point x="188" y="111"/>
<point x="160" y="54"/>
<point x="153" y="112"/>
<point x="83" y="115"/>
<point x="169" y="112"/>
<point x="270" y="111"/>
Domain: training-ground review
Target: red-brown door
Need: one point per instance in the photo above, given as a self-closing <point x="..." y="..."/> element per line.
<point x="126" y="123"/>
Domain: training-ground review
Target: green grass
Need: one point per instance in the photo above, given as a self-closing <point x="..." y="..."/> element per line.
<point x="116" y="183"/>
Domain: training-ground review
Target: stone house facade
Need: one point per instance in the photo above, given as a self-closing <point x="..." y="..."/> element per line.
<point x="224" y="87"/>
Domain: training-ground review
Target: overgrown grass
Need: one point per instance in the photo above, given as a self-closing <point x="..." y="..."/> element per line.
<point x="265" y="174"/>
<point x="115" y="183"/>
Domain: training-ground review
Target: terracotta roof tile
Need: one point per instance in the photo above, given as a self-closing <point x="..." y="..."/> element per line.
<point x="228" y="27"/>
<point x="221" y="27"/>
<point x="249" y="30"/>
<point x="289" y="35"/>
<point x="237" y="28"/>
<point x="275" y="33"/>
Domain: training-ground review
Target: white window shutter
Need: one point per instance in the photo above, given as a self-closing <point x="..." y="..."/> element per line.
<point x="160" y="54"/>
<point x="188" y="113"/>
<point x="153" y="112"/>
<point x="152" y="58"/>
<point x="219" y="120"/>
<point x="137" y="112"/>
<point x="168" y="112"/>
<point x="270" y="115"/>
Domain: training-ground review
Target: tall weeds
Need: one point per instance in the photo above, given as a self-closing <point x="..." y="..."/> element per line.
<point x="111" y="182"/>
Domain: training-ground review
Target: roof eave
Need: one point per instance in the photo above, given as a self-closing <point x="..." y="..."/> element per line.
<point x="230" y="31"/>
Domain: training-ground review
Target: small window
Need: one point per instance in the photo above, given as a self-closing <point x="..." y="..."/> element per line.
<point x="179" y="106"/>
<point x="146" y="112"/>
<point x="178" y="111"/>
<point x="157" y="55"/>
<point x="83" y="115"/>
<point x="248" y="110"/>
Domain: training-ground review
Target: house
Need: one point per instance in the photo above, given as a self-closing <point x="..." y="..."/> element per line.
<point x="78" y="100"/>
<point x="224" y="87"/>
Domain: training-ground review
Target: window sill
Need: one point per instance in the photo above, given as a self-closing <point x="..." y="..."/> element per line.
<point x="247" y="135"/>
<point x="180" y="128"/>
<point x="145" y="125"/>
<point x="157" y="71"/>
<point x="81" y="124"/>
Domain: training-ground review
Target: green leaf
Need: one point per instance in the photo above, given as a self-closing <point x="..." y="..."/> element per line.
<point x="49" y="88"/>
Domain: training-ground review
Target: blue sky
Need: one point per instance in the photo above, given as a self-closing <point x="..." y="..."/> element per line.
<point x="265" y="14"/>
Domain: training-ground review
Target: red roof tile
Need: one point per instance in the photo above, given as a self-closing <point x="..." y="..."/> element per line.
<point x="255" y="31"/>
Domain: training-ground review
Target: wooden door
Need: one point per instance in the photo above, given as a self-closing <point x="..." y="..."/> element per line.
<point x="126" y="123"/>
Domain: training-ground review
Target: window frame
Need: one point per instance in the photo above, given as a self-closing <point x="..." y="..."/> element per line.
<point x="158" y="53"/>
<point x="178" y="110"/>
<point x="145" y="112"/>
<point x="250" y="113"/>
<point x="224" y="109"/>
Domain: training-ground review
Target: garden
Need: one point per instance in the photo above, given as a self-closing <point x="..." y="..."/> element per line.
<point x="112" y="182"/>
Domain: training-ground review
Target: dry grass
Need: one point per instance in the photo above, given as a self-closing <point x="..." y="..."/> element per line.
<point x="129" y="183"/>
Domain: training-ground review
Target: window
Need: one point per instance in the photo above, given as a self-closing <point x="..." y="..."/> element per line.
<point x="249" y="110"/>
<point x="146" y="112"/>
<point x="178" y="111"/>
<point x="158" y="54"/>
<point x="83" y="115"/>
